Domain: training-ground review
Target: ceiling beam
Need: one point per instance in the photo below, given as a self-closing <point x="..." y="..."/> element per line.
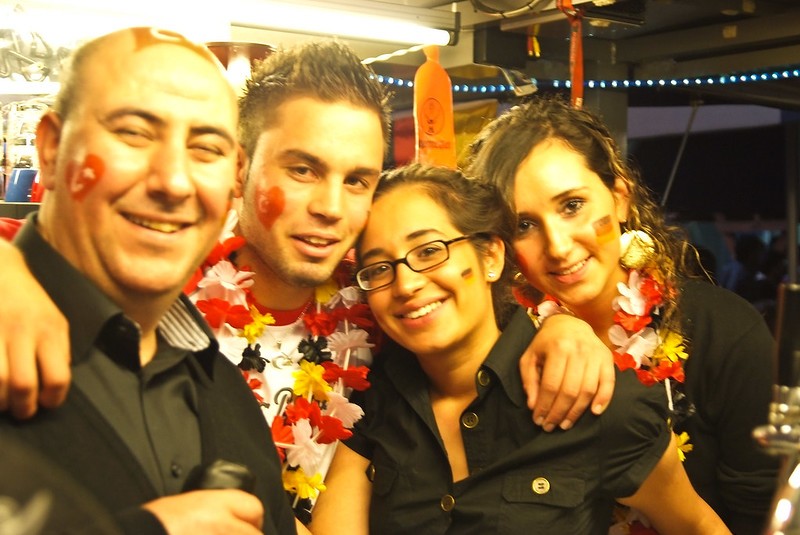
<point x="754" y="61"/>
<point x="711" y="40"/>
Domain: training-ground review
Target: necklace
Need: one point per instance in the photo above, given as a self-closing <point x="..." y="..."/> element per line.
<point x="642" y="343"/>
<point x="322" y="355"/>
<point x="656" y="354"/>
<point x="639" y="340"/>
<point x="285" y="324"/>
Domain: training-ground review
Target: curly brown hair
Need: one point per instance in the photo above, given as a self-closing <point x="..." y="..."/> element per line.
<point x="501" y="147"/>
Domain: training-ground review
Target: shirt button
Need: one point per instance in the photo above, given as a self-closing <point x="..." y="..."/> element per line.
<point x="484" y="378"/>
<point x="176" y="470"/>
<point x="447" y="503"/>
<point x="540" y="485"/>
<point x="371" y="472"/>
<point x="469" y="420"/>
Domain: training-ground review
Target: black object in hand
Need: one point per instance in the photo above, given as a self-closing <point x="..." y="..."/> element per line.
<point x="220" y="474"/>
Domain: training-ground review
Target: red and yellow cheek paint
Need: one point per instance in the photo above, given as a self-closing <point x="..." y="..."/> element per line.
<point x="468" y="275"/>
<point x="270" y="204"/>
<point x="604" y="230"/>
<point x="82" y="177"/>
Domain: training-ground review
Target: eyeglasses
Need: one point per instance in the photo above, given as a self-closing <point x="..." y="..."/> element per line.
<point x="420" y="258"/>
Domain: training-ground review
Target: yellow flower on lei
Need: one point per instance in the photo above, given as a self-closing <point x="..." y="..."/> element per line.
<point x="297" y="482"/>
<point x="309" y="381"/>
<point x="253" y="331"/>
<point x="672" y="348"/>
<point x="683" y="445"/>
<point x="325" y="292"/>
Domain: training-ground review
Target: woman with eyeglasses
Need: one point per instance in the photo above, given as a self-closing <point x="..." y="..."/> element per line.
<point x="446" y="444"/>
<point x="591" y="240"/>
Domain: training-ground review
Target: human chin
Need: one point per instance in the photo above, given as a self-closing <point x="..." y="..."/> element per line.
<point x="309" y="274"/>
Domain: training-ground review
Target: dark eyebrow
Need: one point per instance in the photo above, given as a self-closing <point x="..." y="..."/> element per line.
<point x="380" y="250"/>
<point x="159" y="122"/>
<point x="568" y="193"/>
<point x="319" y="163"/>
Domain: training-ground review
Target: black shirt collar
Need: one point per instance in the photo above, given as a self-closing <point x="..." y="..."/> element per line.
<point x="90" y="312"/>
<point x="503" y="361"/>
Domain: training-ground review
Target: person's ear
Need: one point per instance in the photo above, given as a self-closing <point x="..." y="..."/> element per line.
<point x="48" y="138"/>
<point x="494" y="259"/>
<point x="622" y="198"/>
<point x="242" y="167"/>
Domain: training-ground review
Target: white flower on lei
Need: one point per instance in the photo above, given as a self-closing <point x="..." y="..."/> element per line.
<point x="338" y="406"/>
<point x="231" y="344"/>
<point x="224" y="281"/>
<point x="231" y="221"/>
<point x="305" y="452"/>
<point x="339" y="342"/>
<point x="547" y="308"/>
<point x="631" y="299"/>
<point x="348" y="296"/>
<point x="639" y="345"/>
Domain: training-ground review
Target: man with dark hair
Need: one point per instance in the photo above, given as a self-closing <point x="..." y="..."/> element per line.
<point x="314" y="123"/>
<point x="139" y="157"/>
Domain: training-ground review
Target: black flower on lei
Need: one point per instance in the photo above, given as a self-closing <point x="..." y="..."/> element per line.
<point x="315" y="350"/>
<point x="252" y="359"/>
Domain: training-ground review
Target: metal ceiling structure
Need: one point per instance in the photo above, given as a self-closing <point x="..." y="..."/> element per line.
<point x="639" y="40"/>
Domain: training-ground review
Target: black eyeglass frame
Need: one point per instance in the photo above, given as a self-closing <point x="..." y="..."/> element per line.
<point x="393" y="263"/>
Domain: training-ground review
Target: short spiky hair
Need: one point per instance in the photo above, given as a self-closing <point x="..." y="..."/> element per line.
<point x="326" y="70"/>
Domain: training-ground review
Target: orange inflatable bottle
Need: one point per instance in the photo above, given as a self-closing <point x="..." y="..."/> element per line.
<point x="433" y="113"/>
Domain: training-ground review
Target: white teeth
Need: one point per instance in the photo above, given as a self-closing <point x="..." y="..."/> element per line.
<point x="159" y="226"/>
<point x="424" y="311"/>
<point x="317" y="241"/>
<point x="573" y="269"/>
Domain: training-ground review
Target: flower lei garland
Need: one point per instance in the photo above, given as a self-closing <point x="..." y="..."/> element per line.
<point x="317" y="413"/>
<point x="656" y="354"/>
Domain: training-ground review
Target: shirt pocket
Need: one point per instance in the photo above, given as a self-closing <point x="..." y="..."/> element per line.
<point x="382" y="477"/>
<point x="545" y="502"/>
<point x="544" y="487"/>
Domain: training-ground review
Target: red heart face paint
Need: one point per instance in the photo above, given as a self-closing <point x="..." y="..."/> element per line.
<point x="82" y="177"/>
<point x="145" y="37"/>
<point x="271" y="204"/>
<point x="604" y="230"/>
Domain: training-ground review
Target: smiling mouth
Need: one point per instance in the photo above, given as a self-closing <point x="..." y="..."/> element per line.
<point x="573" y="269"/>
<point x="158" y="226"/>
<point x="316" y="242"/>
<point x="423" y="311"/>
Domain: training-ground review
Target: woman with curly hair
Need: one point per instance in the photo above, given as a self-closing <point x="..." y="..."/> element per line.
<point x="591" y="242"/>
<point x="446" y="444"/>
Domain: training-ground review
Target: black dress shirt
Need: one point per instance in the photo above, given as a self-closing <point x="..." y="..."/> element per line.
<point x="131" y="434"/>
<point x="521" y="479"/>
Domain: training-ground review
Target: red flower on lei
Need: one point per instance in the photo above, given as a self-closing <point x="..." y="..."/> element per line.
<point x="640" y="342"/>
<point x="318" y="413"/>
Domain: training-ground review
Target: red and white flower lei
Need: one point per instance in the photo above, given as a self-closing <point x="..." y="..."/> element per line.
<point x="657" y="355"/>
<point x="640" y="342"/>
<point x="331" y="361"/>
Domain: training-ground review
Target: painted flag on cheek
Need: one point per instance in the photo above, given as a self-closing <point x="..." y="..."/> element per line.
<point x="604" y="230"/>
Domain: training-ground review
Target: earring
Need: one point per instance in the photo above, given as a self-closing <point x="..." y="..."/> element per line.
<point x="490" y="274"/>
<point x="637" y="249"/>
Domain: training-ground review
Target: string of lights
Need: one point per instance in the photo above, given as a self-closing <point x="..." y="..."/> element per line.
<point x="698" y="81"/>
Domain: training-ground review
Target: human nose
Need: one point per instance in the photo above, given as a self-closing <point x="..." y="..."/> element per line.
<point x="559" y="240"/>
<point x="170" y="174"/>
<point x="406" y="280"/>
<point x="328" y="200"/>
